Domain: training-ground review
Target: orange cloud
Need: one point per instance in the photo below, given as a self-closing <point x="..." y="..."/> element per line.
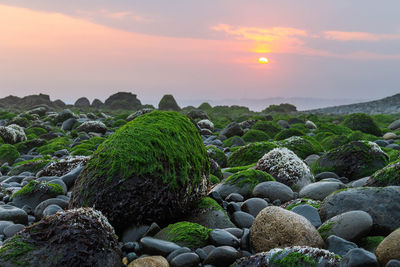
<point x="359" y="36"/>
<point x="267" y="40"/>
<point x="104" y="13"/>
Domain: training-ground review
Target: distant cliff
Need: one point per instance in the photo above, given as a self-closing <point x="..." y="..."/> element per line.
<point x="388" y="105"/>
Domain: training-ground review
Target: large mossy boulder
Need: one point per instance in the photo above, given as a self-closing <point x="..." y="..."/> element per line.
<point x="362" y="122"/>
<point x="168" y="102"/>
<point x="302" y="146"/>
<point x="79" y="237"/>
<point x="153" y="168"/>
<point x="8" y="153"/>
<point x="389" y="175"/>
<point x="354" y="160"/>
<point x="250" y="153"/>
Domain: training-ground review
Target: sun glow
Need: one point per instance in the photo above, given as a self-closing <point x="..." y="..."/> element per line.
<point x="263" y="60"/>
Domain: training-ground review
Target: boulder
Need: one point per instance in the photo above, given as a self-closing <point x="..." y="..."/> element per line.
<point x="12" y="134"/>
<point x="389" y="175"/>
<point x="79" y="237"/>
<point x="153" y="169"/>
<point x="320" y="190"/>
<point x="123" y="100"/>
<point x="82" y="102"/>
<point x="168" y="102"/>
<point x="92" y="126"/>
<point x="275" y="227"/>
<point x="389" y="248"/>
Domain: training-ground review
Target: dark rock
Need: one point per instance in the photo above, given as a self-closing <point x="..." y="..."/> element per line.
<point x="393" y="263"/>
<point x="234" y="197"/>
<point x="11" y="230"/>
<point x="339" y="245"/>
<point x="154" y="246"/>
<point x="177" y="252"/>
<point x="97" y="103"/>
<point x="232" y="129"/>
<point x="188" y="259"/>
<point x="310" y="213"/>
<point x="92" y="126"/>
<point x="51" y="209"/>
<point x="168" y="102"/>
<point x="320" y="190"/>
<point x="358" y="257"/>
<point x="222" y="256"/>
<point x="134" y="233"/>
<point x="273" y="190"/>
<point x="70" y="177"/>
<point x="254" y="205"/>
<point x="68" y="124"/>
<point x="38" y="212"/>
<point x="242" y="219"/>
<point x="14" y="214"/>
<point x="220" y="237"/>
<point x="123" y="100"/>
<point x="82" y="102"/>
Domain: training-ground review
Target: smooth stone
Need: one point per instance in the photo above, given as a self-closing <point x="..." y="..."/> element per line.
<point x="234" y="197"/>
<point x="149" y="261"/>
<point x="68" y="124"/>
<point x="157" y="247"/>
<point x="60" y="183"/>
<point x="339" y="245"/>
<point x="360" y="182"/>
<point x="188" y="259"/>
<point x="242" y="219"/>
<point x="11" y="230"/>
<point x="51" y="210"/>
<point x="207" y="249"/>
<point x="201" y="253"/>
<point x="393" y="263"/>
<point x="254" y="205"/>
<point x="394" y="125"/>
<point x="351" y="225"/>
<point x="273" y="191"/>
<point x="388" y="136"/>
<point x="358" y="257"/>
<point x="245" y="240"/>
<point x="70" y="177"/>
<point x="219" y="237"/>
<point x="310" y="213"/>
<point x="324" y="175"/>
<point x="14" y="214"/>
<point x="235" y="231"/>
<point x="52" y="201"/>
<point x="389" y="248"/>
<point x="309" y="160"/>
<point x="382" y="143"/>
<point x="222" y="256"/>
<point x="177" y="252"/>
<point x="134" y="233"/>
<point x="232" y="207"/>
<point x="320" y="190"/>
<point x="393" y="146"/>
<point x="3" y="225"/>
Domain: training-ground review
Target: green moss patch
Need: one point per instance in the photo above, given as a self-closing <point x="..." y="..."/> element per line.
<point x="8" y="153"/>
<point x="302" y="146"/>
<point x="239" y="168"/>
<point x="255" y="136"/>
<point x="54" y="145"/>
<point x="271" y="129"/>
<point x="33" y="186"/>
<point x="286" y="133"/>
<point x="217" y="155"/>
<point x="188" y="234"/>
<point x="33" y="165"/>
<point x="302" y="201"/>
<point x="324" y="230"/>
<point x="334" y="141"/>
<point x="15" y="248"/>
<point x="387" y="176"/>
<point x="362" y="122"/>
<point x="294" y="259"/>
<point x="250" y="153"/>
<point x="370" y="243"/>
<point x="207" y="203"/>
<point x="249" y="178"/>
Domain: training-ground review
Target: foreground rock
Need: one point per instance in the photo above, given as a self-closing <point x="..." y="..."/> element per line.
<point x="152" y="169"/>
<point x="389" y="248"/>
<point x="275" y="227"/>
<point x="79" y="237"/>
<point x="380" y="203"/>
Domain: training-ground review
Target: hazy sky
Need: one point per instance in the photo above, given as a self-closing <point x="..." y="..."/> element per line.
<point x="200" y="49"/>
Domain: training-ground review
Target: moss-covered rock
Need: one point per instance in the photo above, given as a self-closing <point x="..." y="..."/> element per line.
<point x="54" y="145"/>
<point x="234" y="141"/>
<point x="250" y="153"/>
<point x="33" y="166"/>
<point x="353" y="160"/>
<point x="81" y="237"/>
<point x="358" y="135"/>
<point x="389" y="175"/>
<point x="186" y="234"/>
<point x="333" y="128"/>
<point x="271" y="129"/>
<point x="322" y="135"/>
<point x="239" y="168"/>
<point x="12" y="134"/>
<point x="248" y="179"/>
<point x="8" y="153"/>
<point x="334" y="141"/>
<point x="362" y="122"/>
<point x="86" y="147"/>
<point x="217" y="155"/>
<point x="370" y="243"/>
<point x="168" y="102"/>
<point x="301" y="201"/>
<point x="286" y="133"/>
<point x="154" y="168"/>
<point x="255" y="136"/>
<point x="302" y="146"/>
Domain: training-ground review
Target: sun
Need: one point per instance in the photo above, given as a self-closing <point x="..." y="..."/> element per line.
<point x="263" y="60"/>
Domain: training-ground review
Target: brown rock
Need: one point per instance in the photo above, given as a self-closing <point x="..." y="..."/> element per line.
<point x="275" y="227"/>
<point x="151" y="261"/>
<point x="389" y="248"/>
<point x="389" y="136"/>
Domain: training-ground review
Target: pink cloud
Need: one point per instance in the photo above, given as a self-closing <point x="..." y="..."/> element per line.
<point x="359" y="36"/>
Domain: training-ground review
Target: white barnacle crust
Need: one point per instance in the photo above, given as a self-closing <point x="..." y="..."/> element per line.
<point x="12" y="134"/>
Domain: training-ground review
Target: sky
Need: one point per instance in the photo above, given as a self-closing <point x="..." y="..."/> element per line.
<point x="200" y="50"/>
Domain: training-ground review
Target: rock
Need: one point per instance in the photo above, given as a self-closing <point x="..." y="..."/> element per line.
<point x="339" y="245"/>
<point x="250" y="153"/>
<point x="189" y="259"/>
<point x="393" y="263"/>
<point x="168" y="102"/>
<point x="64" y="115"/>
<point x="14" y="214"/>
<point x="206" y="124"/>
<point x="353" y="160"/>
<point x="351" y="225"/>
<point x="309" y="160"/>
<point x="134" y="233"/>
<point x="276" y="227"/>
<point x="324" y="175"/>
<point x="394" y="125"/>
<point x="232" y="129"/>
<point x="64" y="167"/>
<point x="92" y="126"/>
<point x="388" y="175"/>
<point x="82" y="102"/>
<point x="177" y="252"/>
<point x="254" y="205"/>
<point x="8" y="154"/>
<point x="220" y="237"/>
<point x="68" y="124"/>
<point x="286" y="167"/>
<point x="380" y="203"/>
<point x="310" y="213"/>
<point x="302" y="146"/>
<point x="362" y="122"/>
<point x="235" y="197"/>
<point x="291" y="256"/>
<point x="35" y="192"/>
<point x="123" y="100"/>
<point x="389" y="136"/>
<point x="12" y="134"/>
<point x="284" y="124"/>
<point x="358" y="257"/>
<point x="360" y="182"/>
<point x="222" y="256"/>
<point x="150" y="261"/>
<point x="154" y="184"/>
<point x="155" y="246"/>
<point x="38" y="212"/>
<point x="4" y="225"/>
<point x="97" y="103"/>
<point x="70" y="177"/>
<point x="138" y="113"/>
<point x="310" y="125"/>
<point x="389" y="248"/>
<point x="197" y="114"/>
<point x="13" y="229"/>
<point x="242" y="219"/>
<point x="54" y="241"/>
<point x="273" y="190"/>
<point x="51" y="209"/>
<point x="320" y="190"/>
<point x="393" y="146"/>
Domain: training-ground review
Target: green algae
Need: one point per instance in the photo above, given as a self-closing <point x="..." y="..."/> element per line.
<point x="188" y="234"/>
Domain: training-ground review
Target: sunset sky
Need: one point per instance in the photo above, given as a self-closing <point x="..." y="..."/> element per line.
<point x="200" y="49"/>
